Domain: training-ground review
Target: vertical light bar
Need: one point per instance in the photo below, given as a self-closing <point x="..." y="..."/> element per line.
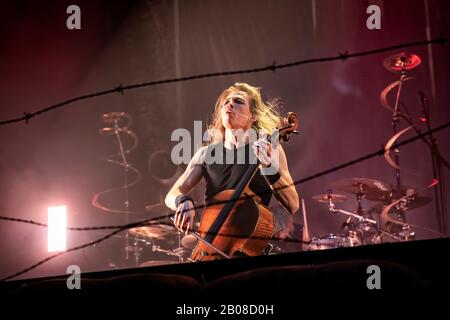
<point x="57" y="223"/>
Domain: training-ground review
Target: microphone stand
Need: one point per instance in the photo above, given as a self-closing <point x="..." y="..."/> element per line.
<point x="436" y="158"/>
<point x="438" y="161"/>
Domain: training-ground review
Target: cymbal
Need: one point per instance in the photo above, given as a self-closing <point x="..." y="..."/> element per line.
<point x="156" y="231"/>
<point x="115" y="117"/>
<point x="409" y="204"/>
<point x="412" y="202"/>
<point x="416" y="202"/>
<point x="398" y="192"/>
<point x="401" y="61"/>
<point x="370" y="189"/>
<point x="324" y="198"/>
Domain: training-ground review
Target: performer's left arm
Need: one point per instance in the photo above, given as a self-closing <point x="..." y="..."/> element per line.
<point x="283" y="187"/>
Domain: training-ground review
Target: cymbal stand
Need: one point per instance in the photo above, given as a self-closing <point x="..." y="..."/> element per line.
<point x="129" y="248"/>
<point x="393" y="236"/>
<point x="176" y="252"/>
<point x="126" y="203"/>
<point x="135" y="249"/>
<point x="117" y="124"/>
<point x="351" y="214"/>
<point x="395" y="121"/>
<point x="359" y="197"/>
<point x="358" y="215"/>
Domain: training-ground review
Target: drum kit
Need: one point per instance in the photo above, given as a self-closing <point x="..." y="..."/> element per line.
<point x="362" y="226"/>
<point x="386" y="220"/>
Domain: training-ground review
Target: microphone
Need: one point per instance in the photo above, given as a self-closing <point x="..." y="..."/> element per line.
<point x="424" y="101"/>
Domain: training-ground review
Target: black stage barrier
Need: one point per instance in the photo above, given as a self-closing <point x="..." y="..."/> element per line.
<point x="370" y="276"/>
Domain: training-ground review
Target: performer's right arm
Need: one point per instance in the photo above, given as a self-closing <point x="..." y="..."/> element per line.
<point x="184" y="215"/>
<point x="188" y="180"/>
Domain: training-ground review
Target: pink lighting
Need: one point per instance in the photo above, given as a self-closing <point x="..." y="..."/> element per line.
<point x="57" y="223"/>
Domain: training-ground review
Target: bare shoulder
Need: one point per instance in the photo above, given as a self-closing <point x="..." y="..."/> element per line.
<point x="199" y="156"/>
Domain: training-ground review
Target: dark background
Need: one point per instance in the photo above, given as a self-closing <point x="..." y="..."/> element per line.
<point x="57" y="157"/>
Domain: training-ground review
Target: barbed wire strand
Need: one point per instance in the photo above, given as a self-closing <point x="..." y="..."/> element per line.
<point x="379" y="152"/>
<point x="273" y="67"/>
<point x="82" y="228"/>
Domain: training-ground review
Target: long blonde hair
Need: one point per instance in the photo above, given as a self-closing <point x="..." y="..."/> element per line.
<point x="267" y="114"/>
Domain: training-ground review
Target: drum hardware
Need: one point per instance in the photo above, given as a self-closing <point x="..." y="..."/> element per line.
<point x="360" y="224"/>
<point x="352" y="236"/>
<point x="403" y="232"/>
<point x="399" y="63"/>
<point x="360" y="227"/>
<point x="117" y="125"/>
<point x="402" y="200"/>
<point x="178" y="252"/>
<point x="364" y="223"/>
<point x="363" y="189"/>
<point x="401" y="228"/>
<point x="151" y="238"/>
<point x="333" y="241"/>
<point x="384" y="194"/>
<point x="135" y="250"/>
<point x="268" y="250"/>
<point x="333" y="209"/>
<point x="388" y="234"/>
<point x="325" y="198"/>
<point x="153" y="234"/>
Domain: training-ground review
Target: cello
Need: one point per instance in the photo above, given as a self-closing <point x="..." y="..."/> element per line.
<point x="237" y="224"/>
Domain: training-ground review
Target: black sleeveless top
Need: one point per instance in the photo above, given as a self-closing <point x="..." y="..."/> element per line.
<point x="223" y="168"/>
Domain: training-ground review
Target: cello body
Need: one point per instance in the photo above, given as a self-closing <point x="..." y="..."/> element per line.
<point x="245" y="232"/>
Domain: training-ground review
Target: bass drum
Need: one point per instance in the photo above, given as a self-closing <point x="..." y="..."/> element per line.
<point x="331" y="241"/>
